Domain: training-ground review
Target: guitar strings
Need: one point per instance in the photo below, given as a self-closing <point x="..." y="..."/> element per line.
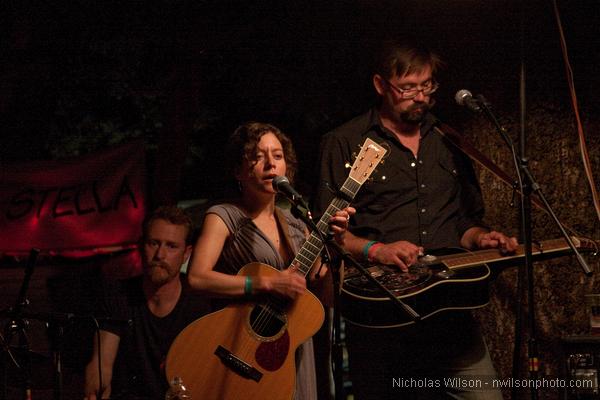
<point x="269" y="309"/>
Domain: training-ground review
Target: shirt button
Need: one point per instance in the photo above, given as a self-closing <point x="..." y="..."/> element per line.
<point x="423" y="210"/>
<point x="413" y="164"/>
<point x="424" y="232"/>
<point x="422" y="185"/>
<point x="420" y="161"/>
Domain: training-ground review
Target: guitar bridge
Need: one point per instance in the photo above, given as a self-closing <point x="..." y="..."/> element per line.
<point x="238" y="365"/>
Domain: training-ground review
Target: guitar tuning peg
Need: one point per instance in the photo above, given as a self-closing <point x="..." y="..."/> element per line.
<point x="354" y="155"/>
<point x="347" y="165"/>
<point x="382" y="161"/>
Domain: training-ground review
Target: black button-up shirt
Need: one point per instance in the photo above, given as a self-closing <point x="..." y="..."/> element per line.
<point x="429" y="200"/>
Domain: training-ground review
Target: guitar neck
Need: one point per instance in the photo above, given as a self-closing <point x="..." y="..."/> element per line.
<point x="540" y="250"/>
<point x="311" y="249"/>
<point x="370" y="155"/>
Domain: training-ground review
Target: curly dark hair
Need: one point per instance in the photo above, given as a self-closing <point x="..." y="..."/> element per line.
<point x="173" y="215"/>
<point x="241" y="146"/>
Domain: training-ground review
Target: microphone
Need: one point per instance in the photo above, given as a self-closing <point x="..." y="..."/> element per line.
<point x="464" y="98"/>
<point x="282" y="185"/>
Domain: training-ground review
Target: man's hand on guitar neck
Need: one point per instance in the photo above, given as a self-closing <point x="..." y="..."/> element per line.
<point x="480" y="238"/>
<point x="404" y="254"/>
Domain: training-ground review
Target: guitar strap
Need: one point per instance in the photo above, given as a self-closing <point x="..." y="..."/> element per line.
<point x="466" y="146"/>
<point x="287" y="240"/>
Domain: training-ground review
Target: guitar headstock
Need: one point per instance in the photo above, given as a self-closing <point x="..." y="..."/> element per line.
<point x="370" y="155"/>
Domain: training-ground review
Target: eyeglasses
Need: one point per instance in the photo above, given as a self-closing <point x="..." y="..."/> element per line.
<point x="410" y="93"/>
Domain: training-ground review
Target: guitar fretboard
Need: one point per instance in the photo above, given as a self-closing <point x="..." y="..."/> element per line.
<point x="490" y="256"/>
<point x="314" y="245"/>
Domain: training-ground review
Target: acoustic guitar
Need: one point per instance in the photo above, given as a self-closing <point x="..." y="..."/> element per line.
<point x="247" y="350"/>
<point x="435" y="284"/>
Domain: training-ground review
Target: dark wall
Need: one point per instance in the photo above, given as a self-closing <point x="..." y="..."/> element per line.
<point x="79" y="76"/>
<point x="560" y="284"/>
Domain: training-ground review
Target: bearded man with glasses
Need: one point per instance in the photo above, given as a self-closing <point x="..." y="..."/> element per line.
<point x="425" y="197"/>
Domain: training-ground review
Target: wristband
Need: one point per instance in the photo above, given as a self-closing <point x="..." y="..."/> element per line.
<point x="367" y="247"/>
<point x="371" y="253"/>
<point x="248" y="286"/>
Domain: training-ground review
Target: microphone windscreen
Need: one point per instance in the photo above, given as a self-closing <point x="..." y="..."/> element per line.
<point x="461" y="96"/>
<point x="279" y="180"/>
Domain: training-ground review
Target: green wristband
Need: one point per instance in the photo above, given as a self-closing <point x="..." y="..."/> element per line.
<point x="367" y="247"/>
<point x="248" y="286"/>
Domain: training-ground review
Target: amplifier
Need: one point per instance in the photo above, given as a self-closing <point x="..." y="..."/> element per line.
<point x="582" y="365"/>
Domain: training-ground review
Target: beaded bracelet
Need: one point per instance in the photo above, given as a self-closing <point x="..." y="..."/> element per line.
<point x="248" y="286"/>
<point x="367" y="247"/>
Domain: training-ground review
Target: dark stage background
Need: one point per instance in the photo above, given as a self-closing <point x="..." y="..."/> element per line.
<point x="78" y="76"/>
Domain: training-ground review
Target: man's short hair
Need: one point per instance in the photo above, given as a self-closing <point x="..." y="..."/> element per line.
<point x="404" y="57"/>
<point x="173" y="215"/>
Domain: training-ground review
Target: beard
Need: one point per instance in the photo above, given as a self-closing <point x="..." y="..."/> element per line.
<point x="415" y="113"/>
<point x="160" y="272"/>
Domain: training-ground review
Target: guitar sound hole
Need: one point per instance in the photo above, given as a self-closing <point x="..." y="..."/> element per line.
<point x="266" y="320"/>
<point x="416" y="275"/>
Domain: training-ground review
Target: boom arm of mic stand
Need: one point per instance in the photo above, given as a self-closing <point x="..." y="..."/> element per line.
<point x="304" y="215"/>
<point x="21" y="300"/>
<point x="536" y="188"/>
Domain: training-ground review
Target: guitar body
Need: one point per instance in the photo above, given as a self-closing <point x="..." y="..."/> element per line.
<point x="246" y="350"/>
<point x="428" y="288"/>
<point x="456" y="281"/>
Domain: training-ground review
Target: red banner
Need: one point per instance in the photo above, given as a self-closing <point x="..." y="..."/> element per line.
<point x="75" y="207"/>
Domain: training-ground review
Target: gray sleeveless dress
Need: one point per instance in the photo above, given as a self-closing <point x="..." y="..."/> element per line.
<point x="248" y="244"/>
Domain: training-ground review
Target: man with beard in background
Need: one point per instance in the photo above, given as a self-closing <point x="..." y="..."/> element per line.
<point x="158" y="305"/>
<point x="425" y="197"/>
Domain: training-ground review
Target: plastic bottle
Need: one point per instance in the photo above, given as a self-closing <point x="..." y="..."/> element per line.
<point x="177" y="391"/>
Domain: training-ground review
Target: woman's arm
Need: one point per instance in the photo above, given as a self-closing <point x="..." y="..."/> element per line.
<point x="204" y="278"/>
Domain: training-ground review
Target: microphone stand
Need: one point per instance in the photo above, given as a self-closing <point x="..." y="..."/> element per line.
<point x="527" y="186"/>
<point x="347" y="257"/>
<point x="56" y="322"/>
<point x="301" y="212"/>
<point x="17" y="326"/>
<point x="337" y="348"/>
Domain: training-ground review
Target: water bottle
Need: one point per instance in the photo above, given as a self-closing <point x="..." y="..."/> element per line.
<point x="177" y="391"/>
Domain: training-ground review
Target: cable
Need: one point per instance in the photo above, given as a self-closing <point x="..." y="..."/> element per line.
<point x="582" y="146"/>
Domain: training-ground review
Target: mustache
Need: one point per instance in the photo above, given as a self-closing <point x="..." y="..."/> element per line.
<point x="423" y="106"/>
<point x="160" y="264"/>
